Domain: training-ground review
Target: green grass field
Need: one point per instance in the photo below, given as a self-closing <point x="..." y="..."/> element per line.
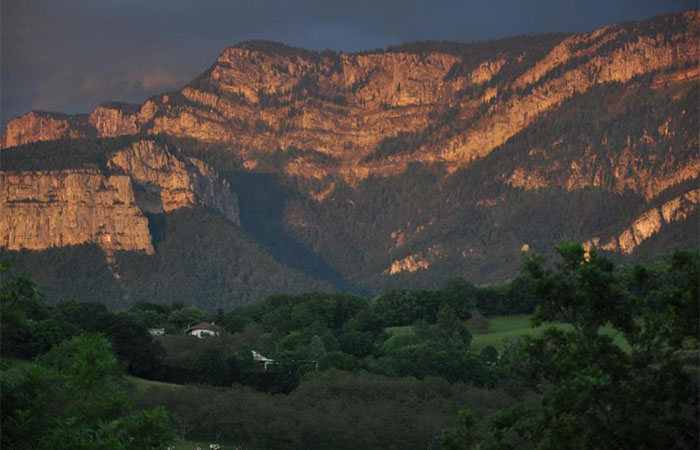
<point x="506" y="328"/>
<point x="141" y="384"/>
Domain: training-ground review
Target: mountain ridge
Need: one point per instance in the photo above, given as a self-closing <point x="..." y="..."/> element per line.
<point x="402" y="166"/>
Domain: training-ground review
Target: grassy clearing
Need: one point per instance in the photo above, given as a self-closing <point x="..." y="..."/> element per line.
<point x="141" y="384"/>
<point x="507" y="328"/>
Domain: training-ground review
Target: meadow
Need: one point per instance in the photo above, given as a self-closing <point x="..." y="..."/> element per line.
<point x="502" y="330"/>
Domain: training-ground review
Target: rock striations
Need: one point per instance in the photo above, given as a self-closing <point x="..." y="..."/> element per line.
<point x="456" y="103"/>
<point x="650" y="223"/>
<point x="335" y="119"/>
<point x="106" y="205"/>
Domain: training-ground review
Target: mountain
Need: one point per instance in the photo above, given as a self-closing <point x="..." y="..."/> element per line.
<point x="370" y="171"/>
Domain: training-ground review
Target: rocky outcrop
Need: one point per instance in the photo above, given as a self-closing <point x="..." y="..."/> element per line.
<point x="418" y="261"/>
<point x="115" y="119"/>
<point x="650" y="223"/>
<point x="37" y="126"/>
<point x="107" y="205"/>
<point x="635" y="168"/>
<point x="342" y="118"/>
<point x="259" y="97"/>
<point x="54" y="209"/>
<point x="173" y="181"/>
<point x="410" y="264"/>
<point x="640" y="56"/>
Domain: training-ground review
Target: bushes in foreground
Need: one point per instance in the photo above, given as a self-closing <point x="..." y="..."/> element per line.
<point x="332" y="409"/>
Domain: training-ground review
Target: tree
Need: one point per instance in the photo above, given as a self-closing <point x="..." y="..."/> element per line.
<point x="148" y="318"/>
<point x="184" y="317"/>
<point x="217" y="369"/>
<point x="462" y="436"/>
<point x="19" y="307"/>
<point x="448" y="320"/>
<point x="356" y="343"/>
<point x="595" y="394"/>
<point x="74" y="398"/>
<point x="133" y="345"/>
<point x="337" y="360"/>
<point x="460" y="295"/>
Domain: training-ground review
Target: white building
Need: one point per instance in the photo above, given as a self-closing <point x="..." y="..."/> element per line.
<point x="203" y="329"/>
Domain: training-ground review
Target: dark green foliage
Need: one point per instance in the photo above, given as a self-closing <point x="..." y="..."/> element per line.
<point x="133" y="345"/>
<point x="673" y="302"/>
<point x="215" y="368"/>
<point x="329" y="409"/>
<point x="63" y="153"/>
<point x="337" y="360"/>
<point x="77" y="272"/>
<point x="74" y="398"/>
<point x="406" y="307"/>
<point x="347" y="332"/>
<point x="186" y="317"/>
<point x="595" y="394"/>
<point x="206" y="261"/>
<point x="30" y="327"/>
<point x="514" y="297"/>
<point x="461" y="436"/>
<point x="27" y="327"/>
<point x="280" y="314"/>
<point x="356" y="343"/>
<point x="148" y="315"/>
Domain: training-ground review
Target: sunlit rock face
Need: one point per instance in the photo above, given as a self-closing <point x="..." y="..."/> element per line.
<point x="37" y="126"/>
<point x="178" y="181"/>
<point x="343" y="118"/>
<point x="115" y="119"/>
<point x="54" y="209"/>
<point x="650" y="223"/>
<point x="106" y="205"/>
<point x="259" y="97"/>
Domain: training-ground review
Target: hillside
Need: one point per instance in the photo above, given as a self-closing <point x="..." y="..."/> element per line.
<point x="282" y="169"/>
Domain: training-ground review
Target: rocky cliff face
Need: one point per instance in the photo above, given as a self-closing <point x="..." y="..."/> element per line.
<point x="106" y="205"/>
<point x="53" y="209"/>
<point x="443" y="103"/>
<point x="650" y="223"/>
<point x="115" y="119"/>
<point x="37" y="126"/>
<point x="171" y="181"/>
<point x="335" y="118"/>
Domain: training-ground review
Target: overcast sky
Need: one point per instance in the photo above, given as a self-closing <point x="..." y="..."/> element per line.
<point x="70" y="55"/>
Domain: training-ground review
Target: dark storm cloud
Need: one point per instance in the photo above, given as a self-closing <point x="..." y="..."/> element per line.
<point x="70" y="55"/>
